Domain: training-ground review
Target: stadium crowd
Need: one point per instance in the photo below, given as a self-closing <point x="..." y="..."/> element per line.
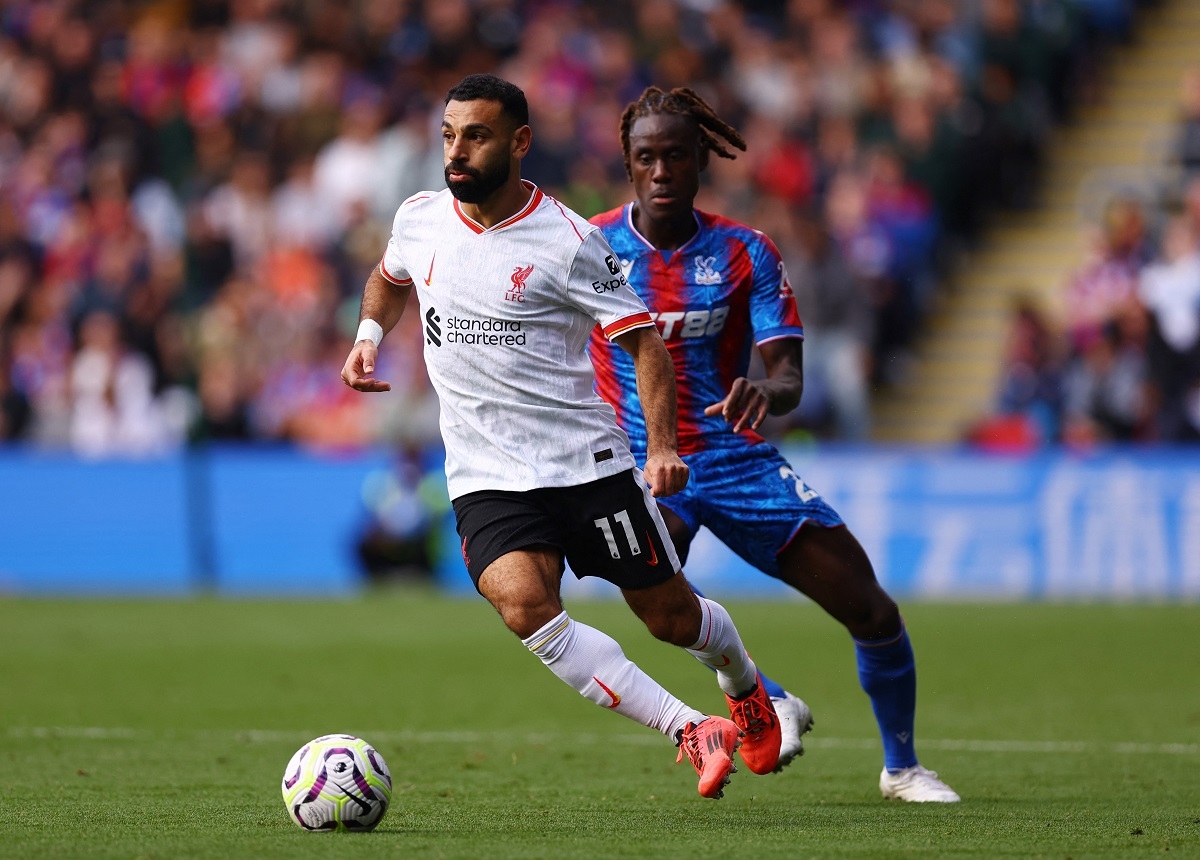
<point x="1123" y="363"/>
<point x="192" y="193"/>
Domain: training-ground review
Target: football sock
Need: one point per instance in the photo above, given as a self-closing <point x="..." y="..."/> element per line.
<point x="594" y="665"/>
<point x="888" y="674"/>
<point x="774" y="689"/>
<point x="720" y="647"/>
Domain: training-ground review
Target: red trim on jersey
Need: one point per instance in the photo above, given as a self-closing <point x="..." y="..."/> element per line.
<point x="415" y="198"/>
<point x="564" y="214"/>
<point x="607" y="386"/>
<point x="629" y="323"/>
<point x="383" y="271"/>
<point x="470" y="222"/>
<point x="534" y="200"/>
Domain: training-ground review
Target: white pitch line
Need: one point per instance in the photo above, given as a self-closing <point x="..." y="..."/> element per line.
<point x="468" y="737"/>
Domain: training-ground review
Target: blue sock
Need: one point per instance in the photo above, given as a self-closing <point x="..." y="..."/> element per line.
<point x="773" y="689"/>
<point x="888" y="674"/>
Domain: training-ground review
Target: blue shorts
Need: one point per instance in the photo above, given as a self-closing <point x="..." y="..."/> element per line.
<point x="751" y="499"/>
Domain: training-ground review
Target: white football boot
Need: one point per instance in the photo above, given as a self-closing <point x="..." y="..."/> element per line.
<point x="917" y="785"/>
<point x="795" y="720"/>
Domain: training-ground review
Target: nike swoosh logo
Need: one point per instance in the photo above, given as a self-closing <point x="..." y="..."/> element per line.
<point x="726" y="659"/>
<point x="429" y="277"/>
<point x="653" y="560"/>
<point x="362" y="803"/>
<point x="616" y="700"/>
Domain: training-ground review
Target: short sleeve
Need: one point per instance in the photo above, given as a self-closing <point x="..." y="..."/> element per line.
<point x="392" y="265"/>
<point x="773" y="312"/>
<point x="597" y="286"/>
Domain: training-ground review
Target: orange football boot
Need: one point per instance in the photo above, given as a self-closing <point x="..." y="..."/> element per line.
<point x="755" y="716"/>
<point x="709" y="746"/>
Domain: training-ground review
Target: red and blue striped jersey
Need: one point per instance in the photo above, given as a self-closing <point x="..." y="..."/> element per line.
<point x="713" y="299"/>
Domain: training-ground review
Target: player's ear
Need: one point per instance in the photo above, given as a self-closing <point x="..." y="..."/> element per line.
<point x="702" y="157"/>
<point x="521" y="140"/>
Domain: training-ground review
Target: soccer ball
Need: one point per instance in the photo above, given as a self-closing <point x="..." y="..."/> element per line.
<point x="337" y="782"/>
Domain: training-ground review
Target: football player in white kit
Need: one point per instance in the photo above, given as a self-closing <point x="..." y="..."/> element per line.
<point x="510" y="285"/>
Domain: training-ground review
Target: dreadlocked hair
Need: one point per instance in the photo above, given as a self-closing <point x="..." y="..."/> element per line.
<point x="715" y="133"/>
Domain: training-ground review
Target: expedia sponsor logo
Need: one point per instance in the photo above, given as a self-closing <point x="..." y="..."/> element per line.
<point x="685" y="324"/>
<point x="433" y="331"/>
<point x="614" y="267"/>
<point x="610" y="285"/>
<point x="484" y="332"/>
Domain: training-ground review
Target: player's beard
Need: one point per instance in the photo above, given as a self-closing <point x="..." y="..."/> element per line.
<point x="482" y="183"/>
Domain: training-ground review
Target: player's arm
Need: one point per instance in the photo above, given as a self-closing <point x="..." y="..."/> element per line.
<point x="750" y="401"/>
<point x="382" y="304"/>
<point x="665" y="472"/>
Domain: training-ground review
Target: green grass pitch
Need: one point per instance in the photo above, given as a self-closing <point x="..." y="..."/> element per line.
<point x="160" y="729"/>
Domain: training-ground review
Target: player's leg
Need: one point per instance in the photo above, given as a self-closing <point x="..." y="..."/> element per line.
<point x="670" y="611"/>
<point x="511" y="549"/>
<point x="681" y="513"/>
<point x="795" y="717"/>
<point x="617" y="534"/>
<point x="523" y="586"/>
<point x="674" y="613"/>
<point x="829" y="565"/>
<point x="681" y="539"/>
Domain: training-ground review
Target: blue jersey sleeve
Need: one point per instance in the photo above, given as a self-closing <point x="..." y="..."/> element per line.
<point x="773" y="312"/>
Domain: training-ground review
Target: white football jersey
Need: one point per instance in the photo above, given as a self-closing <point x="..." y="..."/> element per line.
<point x="506" y="314"/>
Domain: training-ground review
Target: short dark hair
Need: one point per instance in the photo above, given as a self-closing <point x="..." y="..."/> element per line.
<point x="491" y="88"/>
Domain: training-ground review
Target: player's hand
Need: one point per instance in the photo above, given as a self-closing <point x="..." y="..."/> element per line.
<point x="665" y="474"/>
<point x="359" y="370"/>
<point x="745" y="406"/>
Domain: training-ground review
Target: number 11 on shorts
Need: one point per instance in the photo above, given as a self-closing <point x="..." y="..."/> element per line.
<point x="605" y="526"/>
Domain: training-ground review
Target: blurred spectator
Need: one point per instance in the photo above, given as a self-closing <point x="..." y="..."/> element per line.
<point x="1029" y="396"/>
<point x="14" y="405"/>
<point x="404" y="503"/>
<point x="1104" y="390"/>
<point x="1188" y="142"/>
<point x="837" y="317"/>
<point x="345" y="170"/>
<point x="1107" y="283"/>
<point x="114" y="409"/>
<point x="1170" y="291"/>
<point x="207" y="184"/>
<point x="238" y="211"/>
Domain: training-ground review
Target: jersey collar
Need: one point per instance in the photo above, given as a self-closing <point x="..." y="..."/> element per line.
<point x="649" y="245"/>
<point x="534" y="199"/>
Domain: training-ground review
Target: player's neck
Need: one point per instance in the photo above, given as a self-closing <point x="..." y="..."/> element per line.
<point x="666" y="234"/>
<point x="508" y="200"/>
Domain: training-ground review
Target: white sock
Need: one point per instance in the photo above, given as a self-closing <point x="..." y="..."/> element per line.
<point x="594" y="664"/>
<point x="720" y="646"/>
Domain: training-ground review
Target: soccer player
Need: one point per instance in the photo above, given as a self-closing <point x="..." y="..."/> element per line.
<point x="510" y="285"/>
<point x="715" y="289"/>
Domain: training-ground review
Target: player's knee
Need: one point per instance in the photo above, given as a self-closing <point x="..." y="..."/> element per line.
<point x="525" y="618"/>
<point x="675" y="626"/>
<point x="875" y="619"/>
<point x="669" y="610"/>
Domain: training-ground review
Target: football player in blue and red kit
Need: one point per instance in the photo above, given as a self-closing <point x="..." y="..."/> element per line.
<point x="718" y="288"/>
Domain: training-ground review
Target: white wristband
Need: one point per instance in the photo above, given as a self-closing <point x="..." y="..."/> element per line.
<point x="369" y="330"/>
